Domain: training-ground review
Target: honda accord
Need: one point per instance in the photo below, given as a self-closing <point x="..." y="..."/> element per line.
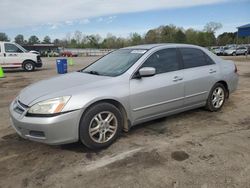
<point x="127" y="87"/>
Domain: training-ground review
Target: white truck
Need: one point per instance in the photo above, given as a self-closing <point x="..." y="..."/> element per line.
<point x="13" y="55"/>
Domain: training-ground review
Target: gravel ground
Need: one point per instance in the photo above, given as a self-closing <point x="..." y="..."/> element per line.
<point x="192" y="149"/>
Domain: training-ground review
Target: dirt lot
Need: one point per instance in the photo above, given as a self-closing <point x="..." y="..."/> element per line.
<point x="193" y="149"/>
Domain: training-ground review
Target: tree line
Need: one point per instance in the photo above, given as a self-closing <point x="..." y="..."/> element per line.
<point x="162" y="34"/>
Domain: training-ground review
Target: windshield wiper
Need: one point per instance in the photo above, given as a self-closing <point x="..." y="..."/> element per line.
<point x="92" y="72"/>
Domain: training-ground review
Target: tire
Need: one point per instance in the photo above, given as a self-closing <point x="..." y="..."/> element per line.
<point x="94" y="120"/>
<point x="29" y="66"/>
<point x="213" y="104"/>
<point x="234" y="54"/>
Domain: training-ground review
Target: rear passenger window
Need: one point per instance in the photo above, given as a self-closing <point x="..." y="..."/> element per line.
<point x="163" y="61"/>
<point x="208" y="59"/>
<point x="193" y="57"/>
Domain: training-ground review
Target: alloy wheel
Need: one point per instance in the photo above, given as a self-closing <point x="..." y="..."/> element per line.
<point x="103" y="127"/>
<point x="218" y="97"/>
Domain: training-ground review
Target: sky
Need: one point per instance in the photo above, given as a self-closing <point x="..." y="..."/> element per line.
<point x="56" y="18"/>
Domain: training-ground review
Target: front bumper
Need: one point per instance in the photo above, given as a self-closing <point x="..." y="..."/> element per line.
<point x="39" y="64"/>
<point x="55" y="130"/>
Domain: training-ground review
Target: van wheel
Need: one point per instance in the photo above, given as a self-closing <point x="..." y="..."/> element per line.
<point x="216" y="98"/>
<point x="29" y="66"/>
<point x="100" y="126"/>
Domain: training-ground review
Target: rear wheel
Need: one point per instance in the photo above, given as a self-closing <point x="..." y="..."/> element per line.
<point x="216" y="98"/>
<point x="28" y="66"/>
<point x="100" y="126"/>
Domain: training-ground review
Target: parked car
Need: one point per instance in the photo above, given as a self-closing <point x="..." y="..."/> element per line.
<point x="13" y="55"/>
<point x="127" y="87"/>
<point x="236" y="51"/>
<point x="219" y="50"/>
<point x="68" y="54"/>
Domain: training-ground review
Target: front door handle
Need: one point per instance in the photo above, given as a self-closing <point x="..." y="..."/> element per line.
<point x="212" y="71"/>
<point x="177" y="78"/>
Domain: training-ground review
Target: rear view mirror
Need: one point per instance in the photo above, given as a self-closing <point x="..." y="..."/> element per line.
<point x="147" y="71"/>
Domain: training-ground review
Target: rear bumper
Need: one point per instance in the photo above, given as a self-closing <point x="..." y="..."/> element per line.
<point x="233" y="82"/>
<point x="56" y="130"/>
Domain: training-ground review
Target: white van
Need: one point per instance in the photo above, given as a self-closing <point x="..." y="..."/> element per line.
<point x="13" y="55"/>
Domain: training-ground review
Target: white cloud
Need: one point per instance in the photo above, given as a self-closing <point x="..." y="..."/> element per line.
<point x="29" y="12"/>
<point x="84" y="21"/>
<point x="69" y="22"/>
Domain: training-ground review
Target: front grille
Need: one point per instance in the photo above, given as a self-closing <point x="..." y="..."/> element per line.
<point x="38" y="58"/>
<point x="19" y="107"/>
<point x="18" y="110"/>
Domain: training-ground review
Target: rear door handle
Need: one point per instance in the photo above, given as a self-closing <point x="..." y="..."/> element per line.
<point x="212" y="71"/>
<point x="177" y="78"/>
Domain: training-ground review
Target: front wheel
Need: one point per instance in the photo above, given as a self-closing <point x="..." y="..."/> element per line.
<point x="216" y="98"/>
<point x="29" y="66"/>
<point x="100" y="126"/>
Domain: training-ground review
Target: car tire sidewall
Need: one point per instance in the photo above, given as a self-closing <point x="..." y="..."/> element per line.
<point x="31" y="63"/>
<point x="209" y="104"/>
<point x="84" y="136"/>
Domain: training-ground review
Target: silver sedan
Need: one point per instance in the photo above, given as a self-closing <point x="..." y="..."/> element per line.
<point x="124" y="88"/>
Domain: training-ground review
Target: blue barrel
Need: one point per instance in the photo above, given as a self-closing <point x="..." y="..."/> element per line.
<point x="61" y="65"/>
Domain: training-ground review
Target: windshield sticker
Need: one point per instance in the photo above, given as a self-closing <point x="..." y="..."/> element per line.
<point x="138" y="51"/>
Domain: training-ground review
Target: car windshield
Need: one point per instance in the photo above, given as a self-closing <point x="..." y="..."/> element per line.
<point x="115" y="63"/>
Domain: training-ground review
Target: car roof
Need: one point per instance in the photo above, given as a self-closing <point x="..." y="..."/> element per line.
<point x="151" y="46"/>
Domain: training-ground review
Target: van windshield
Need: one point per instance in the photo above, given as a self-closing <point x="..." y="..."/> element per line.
<point x="22" y="48"/>
<point x="115" y="63"/>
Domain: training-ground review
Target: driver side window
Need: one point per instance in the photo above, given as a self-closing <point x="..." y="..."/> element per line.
<point x="11" y="48"/>
<point x="163" y="61"/>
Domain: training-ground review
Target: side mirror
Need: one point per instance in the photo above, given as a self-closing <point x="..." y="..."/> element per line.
<point x="147" y="71"/>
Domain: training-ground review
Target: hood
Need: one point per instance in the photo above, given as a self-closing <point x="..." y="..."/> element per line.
<point x="57" y="84"/>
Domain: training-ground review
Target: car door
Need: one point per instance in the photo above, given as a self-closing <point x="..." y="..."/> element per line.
<point x="12" y="55"/>
<point x="157" y="95"/>
<point x="200" y="73"/>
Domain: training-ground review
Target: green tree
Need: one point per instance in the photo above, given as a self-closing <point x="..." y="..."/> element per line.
<point x="33" y="40"/>
<point x="4" y="37"/>
<point x="167" y="33"/>
<point x="57" y="42"/>
<point x="135" y="39"/>
<point x="180" y="37"/>
<point x="93" y="41"/>
<point x="151" y="36"/>
<point x="226" y="38"/>
<point x="109" y="41"/>
<point x="46" y="40"/>
<point x="19" y="39"/>
<point x="78" y="37"/>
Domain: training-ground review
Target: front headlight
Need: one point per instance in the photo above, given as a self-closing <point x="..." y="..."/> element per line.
<point x="51" y="106"/>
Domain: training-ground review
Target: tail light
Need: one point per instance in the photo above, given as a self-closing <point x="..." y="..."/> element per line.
<point x="235" y="68"/>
